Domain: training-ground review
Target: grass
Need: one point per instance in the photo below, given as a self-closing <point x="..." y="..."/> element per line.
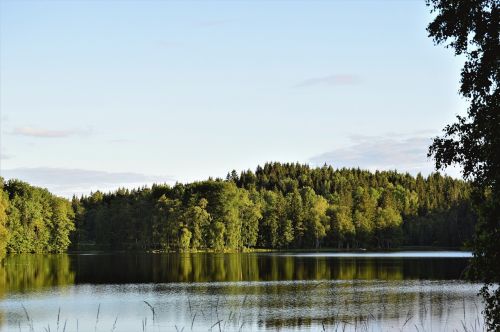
<point x="235" y="321"/>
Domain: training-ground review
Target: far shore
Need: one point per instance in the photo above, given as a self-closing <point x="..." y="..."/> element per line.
<point x="92" y="249"/>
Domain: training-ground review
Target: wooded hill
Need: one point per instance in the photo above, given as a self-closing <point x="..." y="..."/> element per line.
<point x="279" y="206"/>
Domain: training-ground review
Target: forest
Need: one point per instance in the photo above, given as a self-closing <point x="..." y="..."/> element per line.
<point x="277" y="206"/>
<point x="32" y="219"/>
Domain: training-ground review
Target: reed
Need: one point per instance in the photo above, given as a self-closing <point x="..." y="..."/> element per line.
<point x="236" y="322"/>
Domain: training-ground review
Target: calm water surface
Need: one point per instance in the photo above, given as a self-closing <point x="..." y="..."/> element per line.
<point x="410" y="291"/>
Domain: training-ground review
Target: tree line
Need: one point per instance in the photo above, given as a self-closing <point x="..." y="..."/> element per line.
<point x="279" y="206"/>
<point x="32" y="219"/>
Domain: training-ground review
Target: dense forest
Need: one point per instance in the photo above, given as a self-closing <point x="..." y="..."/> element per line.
<point x="279" y="206"/>
<point x="32" y="219"/>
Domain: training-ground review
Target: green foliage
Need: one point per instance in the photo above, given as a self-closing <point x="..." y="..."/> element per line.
<point x="196" y="220"/>
<point x="281" y="206"/>
<point x="315" y="218"/>
<point x="4" y="232"/>
<point x="250" y="215"/>
<point x="33" y="220"/>
<point x="61" y="224"/>
<point x="217" y="234"/>
<point x="387" y="226"/>
<point x="184" y="238"/>
<point x="472" y="29"/>
<point x="342" y="227"/>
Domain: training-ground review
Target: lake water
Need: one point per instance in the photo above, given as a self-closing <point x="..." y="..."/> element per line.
<point x="410" y="291"/>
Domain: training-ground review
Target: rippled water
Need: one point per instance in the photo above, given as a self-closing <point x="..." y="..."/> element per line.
<point x="230" y="292"/>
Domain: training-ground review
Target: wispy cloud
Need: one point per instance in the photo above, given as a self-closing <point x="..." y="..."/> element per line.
<point x="48" y="133"/>
<point x="66" y="181"/>
<point x="403" y="152"/>
<point x="329" y="80"/>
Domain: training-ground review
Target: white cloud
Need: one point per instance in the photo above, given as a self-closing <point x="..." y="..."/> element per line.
<point x="47" y="133"/>
<point x="66" y="182"/>
<point x="403" y="152"/>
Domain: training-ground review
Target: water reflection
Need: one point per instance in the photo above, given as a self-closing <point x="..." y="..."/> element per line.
<point x="260" y="291"/>
<point x="143" y="268"/>
<point x="21" y="273"/>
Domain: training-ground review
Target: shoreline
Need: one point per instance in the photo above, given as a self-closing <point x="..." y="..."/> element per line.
<point x="262" y="250"/>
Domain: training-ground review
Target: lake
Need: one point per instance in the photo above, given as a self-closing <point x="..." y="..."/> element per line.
<point x="410" y="291"/>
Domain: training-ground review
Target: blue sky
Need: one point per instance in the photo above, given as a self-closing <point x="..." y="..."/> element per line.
<point x="96" y="95"/>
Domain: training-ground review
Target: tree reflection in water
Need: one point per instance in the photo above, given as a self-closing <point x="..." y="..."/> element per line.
<point x="203" y="267"/>
<point x="260" y="291"/>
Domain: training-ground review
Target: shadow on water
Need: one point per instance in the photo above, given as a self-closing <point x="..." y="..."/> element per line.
<point x="268" y="291"/>
<point x="164" y="268"/>
<point x="29" y="272"/>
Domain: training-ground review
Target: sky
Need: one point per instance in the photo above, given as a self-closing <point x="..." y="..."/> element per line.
<point x="96" y="95"/>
